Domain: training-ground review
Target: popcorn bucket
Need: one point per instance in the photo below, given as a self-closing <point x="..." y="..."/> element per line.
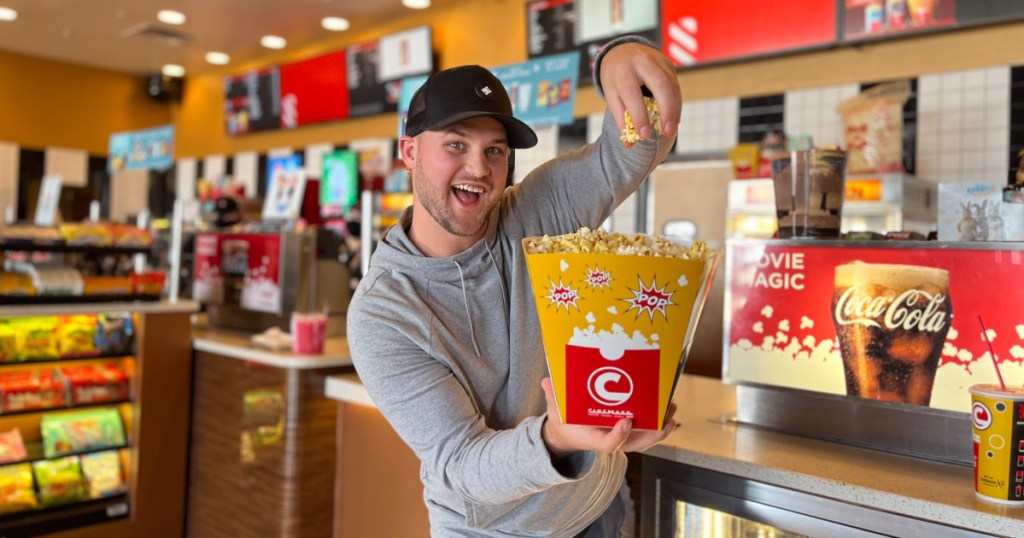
<point x="617" y="330"/>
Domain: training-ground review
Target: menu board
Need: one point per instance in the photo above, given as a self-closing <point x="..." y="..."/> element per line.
<point x="314" y="90"/>
<point x="896" y="322"/>
<point x="367" y="92"/>
<point x="585" y="26"/>
<point x="252" y="101"/>
<point x="376" y="69"/>
<point x="866" y="19"/>
<point x="699" y="32"/>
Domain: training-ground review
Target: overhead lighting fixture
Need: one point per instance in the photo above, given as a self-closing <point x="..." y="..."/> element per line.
<point x="335" y="24"/>
<point x="173" y="70"/>
<point x="217" y="58"/>
<point x="168" y="16"/>
<point x="273" y="42"/>
<point x="416" y="4"/>
<point x="7" y="14"/>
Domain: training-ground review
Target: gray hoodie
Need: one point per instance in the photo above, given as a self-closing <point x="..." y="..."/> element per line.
<point x="450" y="351"/>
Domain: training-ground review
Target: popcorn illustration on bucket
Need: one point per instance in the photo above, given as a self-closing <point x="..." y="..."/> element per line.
<point x="617" y="315"/>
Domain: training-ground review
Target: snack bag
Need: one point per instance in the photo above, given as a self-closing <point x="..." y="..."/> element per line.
<point x="114" y="333"/>
<point x="103" y="475"/>
<point x="12" y="446"/>
<point x="16" y="491"/>
<point x="79" y="431"/>
<point x="75" y="336"/>
<point x="59" y="480"/>
<point x="873" y="128"/>
<point x="617" y="313"/>
<point x="31" y="390"/>
<point x="8" y="343"/>
<point x="35" y="338"/>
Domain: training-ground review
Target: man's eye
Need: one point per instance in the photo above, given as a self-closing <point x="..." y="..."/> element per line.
<point x="496" y="151"/>
<point x="456" y="145"/>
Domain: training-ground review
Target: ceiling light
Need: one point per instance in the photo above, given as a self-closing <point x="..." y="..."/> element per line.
<point x="7" y="14"/>
<point x="170" y="17"/>
<point x="173" y="70"/>
<point x="217" y="58"/>
<point x="335" y="24"/>
<point x="416" y="4"/>
<point x="273" y="42"/>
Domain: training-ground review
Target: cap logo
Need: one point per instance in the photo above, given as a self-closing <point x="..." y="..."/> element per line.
<point x="484" y="91"/>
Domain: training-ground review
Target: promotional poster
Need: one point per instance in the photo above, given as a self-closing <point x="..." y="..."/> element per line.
<point x="893" y="321"/>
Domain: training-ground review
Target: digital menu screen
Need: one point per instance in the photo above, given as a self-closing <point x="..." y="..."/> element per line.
<point x="314" y="90"/>
<point x="252" y="101"/>
<point x="867" y="19"/>
<point x="376" y="69"/>
<point x="339" y="186"/>
<point x="697" y="32"/>
<point x="585" y="26"/>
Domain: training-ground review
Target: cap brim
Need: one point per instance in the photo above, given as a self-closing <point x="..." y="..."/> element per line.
<point x="519" y="134"/>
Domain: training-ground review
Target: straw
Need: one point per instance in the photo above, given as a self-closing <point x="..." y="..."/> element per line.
<point x="984" y="334"/>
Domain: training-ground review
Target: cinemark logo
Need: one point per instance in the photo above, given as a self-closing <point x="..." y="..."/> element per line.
<point x="610" y="386"/>
<point x="682" y="45"/>
<point x="982" y="416"/>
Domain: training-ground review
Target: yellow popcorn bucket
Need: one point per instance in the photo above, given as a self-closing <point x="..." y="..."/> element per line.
<point x="617" y="330"/>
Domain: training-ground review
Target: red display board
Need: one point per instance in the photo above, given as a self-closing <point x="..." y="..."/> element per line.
<point x="239" y="269"/>
<point x="801" y="315"/>
<point x="696" y="32"/>
<point x="314" y="90"/>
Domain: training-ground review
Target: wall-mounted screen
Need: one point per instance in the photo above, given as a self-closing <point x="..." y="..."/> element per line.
<point x="339" y="186"/>
<point x="252" y="101"/>
<point x="314" y="90"/>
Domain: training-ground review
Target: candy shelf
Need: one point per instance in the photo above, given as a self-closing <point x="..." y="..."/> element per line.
<point x="62" y="517"/>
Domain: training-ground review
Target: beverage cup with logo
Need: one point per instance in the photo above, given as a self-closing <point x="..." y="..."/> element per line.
<point x="997" y="416"/>
<point x="616" y="329"/>
<point x="809" y="189"/>
<point x="891" y="322"/>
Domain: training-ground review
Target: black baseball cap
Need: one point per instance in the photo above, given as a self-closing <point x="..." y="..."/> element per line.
<point x="461" y="93"/>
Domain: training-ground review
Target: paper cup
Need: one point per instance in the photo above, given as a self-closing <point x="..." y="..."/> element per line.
<point x="616" y="331"/>
<point x="998" y="425"/>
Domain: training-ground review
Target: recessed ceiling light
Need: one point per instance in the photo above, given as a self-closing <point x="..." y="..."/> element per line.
<point x="170" y="17"/>
<point x="7" y="14"/>
<point x="217" y="58"/>
<point x="416" y="4"/>
<point x="273" y="42"/>
<point x="335" y="24"/>
<point x="173" y="70"/>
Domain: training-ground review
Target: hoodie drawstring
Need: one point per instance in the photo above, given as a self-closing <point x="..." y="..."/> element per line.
<point x="465" y="302"/>
<point x="501" y="281"/>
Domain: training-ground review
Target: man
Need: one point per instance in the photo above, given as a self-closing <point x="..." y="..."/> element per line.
<point x="443" y="329"/>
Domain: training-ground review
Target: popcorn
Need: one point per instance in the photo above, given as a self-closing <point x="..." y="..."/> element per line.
<point x="587" y="241"/>
<point x="629" y="133"/>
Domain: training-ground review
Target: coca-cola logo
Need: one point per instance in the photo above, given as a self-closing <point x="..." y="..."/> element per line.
<point x="902" y="312"/>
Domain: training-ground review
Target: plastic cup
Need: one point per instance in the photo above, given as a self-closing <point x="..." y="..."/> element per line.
<point x="308" y="331"/>
<point x="997" y="415"/>
<point x="809" y="190"/>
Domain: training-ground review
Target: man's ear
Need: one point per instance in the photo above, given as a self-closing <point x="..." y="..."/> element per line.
<point x="407" y="151"/>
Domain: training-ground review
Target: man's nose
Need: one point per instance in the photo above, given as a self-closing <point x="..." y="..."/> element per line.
<point x="477" y="165"/>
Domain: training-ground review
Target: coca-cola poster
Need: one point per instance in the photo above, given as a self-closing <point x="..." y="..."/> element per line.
<point x="892" y="321"/>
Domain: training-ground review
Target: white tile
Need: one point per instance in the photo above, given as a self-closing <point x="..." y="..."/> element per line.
<point x="996" y="118"/>
<point x="950" y="120"/>
<point x="997" y="77"/>
<point x="974" y="78"/>
<point x="998" y="156"/>
<point x="973" y="119"/>
<point x="951" y="141"/>
<point x="927" y="143"/>
<point x="972" y="160"/>
<point x="927" y="122"/>
<point x="996" y="138"/>
<point x="951" y="81"/>
<point x="973" y="141"/>
<point x="949" y="161"/>
<point x="927" y="85"/>
<point x="951" y="99"/>
<point x="996" y="95"/>
<point x="974" y="98"/>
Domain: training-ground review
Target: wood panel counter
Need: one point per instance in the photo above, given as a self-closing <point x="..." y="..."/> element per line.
<point x="263" y="438"/>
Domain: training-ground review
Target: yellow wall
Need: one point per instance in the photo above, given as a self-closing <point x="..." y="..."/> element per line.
<point x="59" y="104"/>
<point x="47" y="103"/>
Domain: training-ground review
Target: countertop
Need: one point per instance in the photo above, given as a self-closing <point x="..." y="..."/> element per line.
<point x="707" y="437"/>
<point x="939" y="492"/>
<point x="142" y="307"/>
<point x="238" y="345"/>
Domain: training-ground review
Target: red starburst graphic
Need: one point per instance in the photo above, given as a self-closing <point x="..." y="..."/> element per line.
<point x="562" y="295"/>
<point x="598" y="278"/>
<point x="649" y="299"/>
